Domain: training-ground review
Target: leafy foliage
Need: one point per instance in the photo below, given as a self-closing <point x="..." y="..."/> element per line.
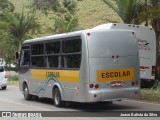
<point x="14" y="28"/>
<point x="150" y="95"/>
<point x="151" y="13"/>
<point x="7" y="46"/>
<point x="156" y="86"/>
<point x="13" y="78"/>
<point x="128" y="10"/>
<point x="6" y="5"/>
<point x="19" y="25"/>
<point x="42" y="4"/>
<point x="66" y="23"/>
<point x="65" y="19"/>
<point x="63" y="15"/>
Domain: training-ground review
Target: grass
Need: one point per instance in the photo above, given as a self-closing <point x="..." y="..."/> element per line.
<point x="150" y="95"/>
<point x="13" y="80"/>
<point x="94" y="12"/>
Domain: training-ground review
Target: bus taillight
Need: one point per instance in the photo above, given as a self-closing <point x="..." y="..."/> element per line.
<point x="153" y="70"/>
<point x="133" y="83"/>
<point x="96" y="86"/>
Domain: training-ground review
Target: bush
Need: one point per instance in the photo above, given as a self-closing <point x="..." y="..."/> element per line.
<point x="156" y="86"/>
<point x="13" y="78"/>
<point x="152" y="94"/>
<point x="10" y="68"/>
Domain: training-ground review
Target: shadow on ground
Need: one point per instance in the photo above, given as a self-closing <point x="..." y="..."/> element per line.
<point x="91" y="106"/>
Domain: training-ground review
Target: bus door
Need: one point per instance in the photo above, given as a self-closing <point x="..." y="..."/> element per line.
<point x="24" y="65"/>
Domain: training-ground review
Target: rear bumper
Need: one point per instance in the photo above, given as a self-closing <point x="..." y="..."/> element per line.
<point x="109" y="94"/>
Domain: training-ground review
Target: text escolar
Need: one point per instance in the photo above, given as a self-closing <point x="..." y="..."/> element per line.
<point x="116" y="74"/>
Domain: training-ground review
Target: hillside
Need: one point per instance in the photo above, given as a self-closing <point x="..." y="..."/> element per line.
<point x="95" y="12"/>
<point x="90" y="13"/>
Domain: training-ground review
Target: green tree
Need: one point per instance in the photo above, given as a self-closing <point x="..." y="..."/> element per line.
<point x="65" y="19"/>
<point x="65" y="23"/>
<point x="42" y="4"/>
<point x="6" y="5"/>
<point x="19" y="26"/>
<point x="7" y="47"/>
<point x="128" y="10"/>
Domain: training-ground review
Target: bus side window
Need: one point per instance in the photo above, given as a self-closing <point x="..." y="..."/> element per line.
<point x="25" y="58"/>
<point x="34" y="64"/>
<point x="53" y="54"/>
<point x="71" y="57"/>
<point x="37" y="55"/>
<point x="37" y="61"/>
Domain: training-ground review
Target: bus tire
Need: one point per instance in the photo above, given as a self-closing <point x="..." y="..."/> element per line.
<point x="57" y="98"/>
<point x="26" y="94"/>
<point x="34" y="97"/>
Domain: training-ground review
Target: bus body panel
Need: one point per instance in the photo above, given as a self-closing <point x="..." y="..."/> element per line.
<point x="146" y="44"/>
<point x="114" y="51"/>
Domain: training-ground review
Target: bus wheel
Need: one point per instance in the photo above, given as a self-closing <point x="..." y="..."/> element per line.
<point x="27" y="96"/>
<point x="57" y="98"/>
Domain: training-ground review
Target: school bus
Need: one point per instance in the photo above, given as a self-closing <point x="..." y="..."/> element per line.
<point x="84" y="66"/>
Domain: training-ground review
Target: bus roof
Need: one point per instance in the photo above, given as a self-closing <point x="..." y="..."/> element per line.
<point x="72" y="34"/>
<point x="120" y="25"/>
<point x="56" y="36"/>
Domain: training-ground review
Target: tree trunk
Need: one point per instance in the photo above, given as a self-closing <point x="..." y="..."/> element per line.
<point x="156" y="27"/>
<point x="19" y="46"/>
<point x="157" y="32"/>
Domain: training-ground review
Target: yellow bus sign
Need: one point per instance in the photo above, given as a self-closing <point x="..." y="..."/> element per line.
<point x="115" y="74"/>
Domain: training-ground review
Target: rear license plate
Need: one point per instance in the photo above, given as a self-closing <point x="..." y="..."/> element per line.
<point x="116" y="84"/>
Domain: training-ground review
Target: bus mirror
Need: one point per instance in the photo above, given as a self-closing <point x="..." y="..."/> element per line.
<point x="16" y="55"/>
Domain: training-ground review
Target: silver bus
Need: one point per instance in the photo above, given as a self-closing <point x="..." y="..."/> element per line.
<point x="83" y="66"/>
